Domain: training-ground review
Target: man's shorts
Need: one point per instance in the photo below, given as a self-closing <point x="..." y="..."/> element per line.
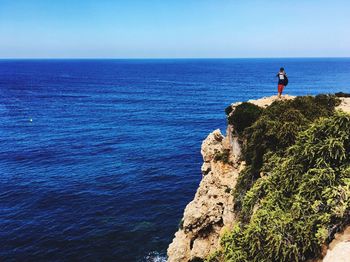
<point x="280" y="88"/>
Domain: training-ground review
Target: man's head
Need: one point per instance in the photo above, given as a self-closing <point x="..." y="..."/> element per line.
<point x="281" y="69"/>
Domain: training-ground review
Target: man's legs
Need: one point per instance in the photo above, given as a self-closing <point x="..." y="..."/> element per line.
<point x="280" y="90"/>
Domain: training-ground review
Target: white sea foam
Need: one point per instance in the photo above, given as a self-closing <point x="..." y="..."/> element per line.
<point x="155" y="256"/>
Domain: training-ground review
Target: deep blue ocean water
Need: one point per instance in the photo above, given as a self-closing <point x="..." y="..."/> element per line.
<point x="98" y="158"/>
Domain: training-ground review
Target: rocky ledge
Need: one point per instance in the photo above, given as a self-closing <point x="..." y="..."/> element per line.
<point x="211" y="211"/>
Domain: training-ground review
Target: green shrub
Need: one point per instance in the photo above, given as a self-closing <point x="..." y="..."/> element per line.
<point x="228" y="110"/>
<point x="327" y="101"/>
<point x="275" y="130"/>
<point x="244" y="116"/>
<point x="305" y="193"/>
<point x="296" y="185"/>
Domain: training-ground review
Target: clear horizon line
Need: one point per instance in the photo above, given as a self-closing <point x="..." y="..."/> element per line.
<point x="162" y="58"/>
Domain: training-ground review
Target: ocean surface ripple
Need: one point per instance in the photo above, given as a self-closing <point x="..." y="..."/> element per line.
<point x="98" y="158"/>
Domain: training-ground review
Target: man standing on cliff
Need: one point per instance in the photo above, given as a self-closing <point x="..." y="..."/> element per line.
<point x="282" y="81"/>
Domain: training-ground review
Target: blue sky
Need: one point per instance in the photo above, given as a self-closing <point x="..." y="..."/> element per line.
<point x="178" y="28"/>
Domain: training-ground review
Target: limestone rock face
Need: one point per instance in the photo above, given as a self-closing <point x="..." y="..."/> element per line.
<point x="339" y="248"/>
<point x="211" y="145"/>
<point x="211" y="210"/>
<point x="345" y="104"/>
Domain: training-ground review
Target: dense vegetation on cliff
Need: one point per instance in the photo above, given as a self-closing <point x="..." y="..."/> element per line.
<point x="295" y="190"/>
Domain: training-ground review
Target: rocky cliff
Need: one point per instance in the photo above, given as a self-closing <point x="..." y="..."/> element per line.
<point x="211" y="212"/>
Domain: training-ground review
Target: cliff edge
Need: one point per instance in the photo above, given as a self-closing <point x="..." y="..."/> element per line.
<point x="212" y="211"/>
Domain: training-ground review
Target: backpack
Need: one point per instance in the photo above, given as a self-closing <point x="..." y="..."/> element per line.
<point x="285" y="82"/>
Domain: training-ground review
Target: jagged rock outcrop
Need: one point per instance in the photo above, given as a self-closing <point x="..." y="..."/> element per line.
<point x="211" y="210"/>
<point x="345" y="104"/>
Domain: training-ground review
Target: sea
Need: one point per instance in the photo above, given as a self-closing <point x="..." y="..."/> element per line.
<point x="98" y="158"/>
